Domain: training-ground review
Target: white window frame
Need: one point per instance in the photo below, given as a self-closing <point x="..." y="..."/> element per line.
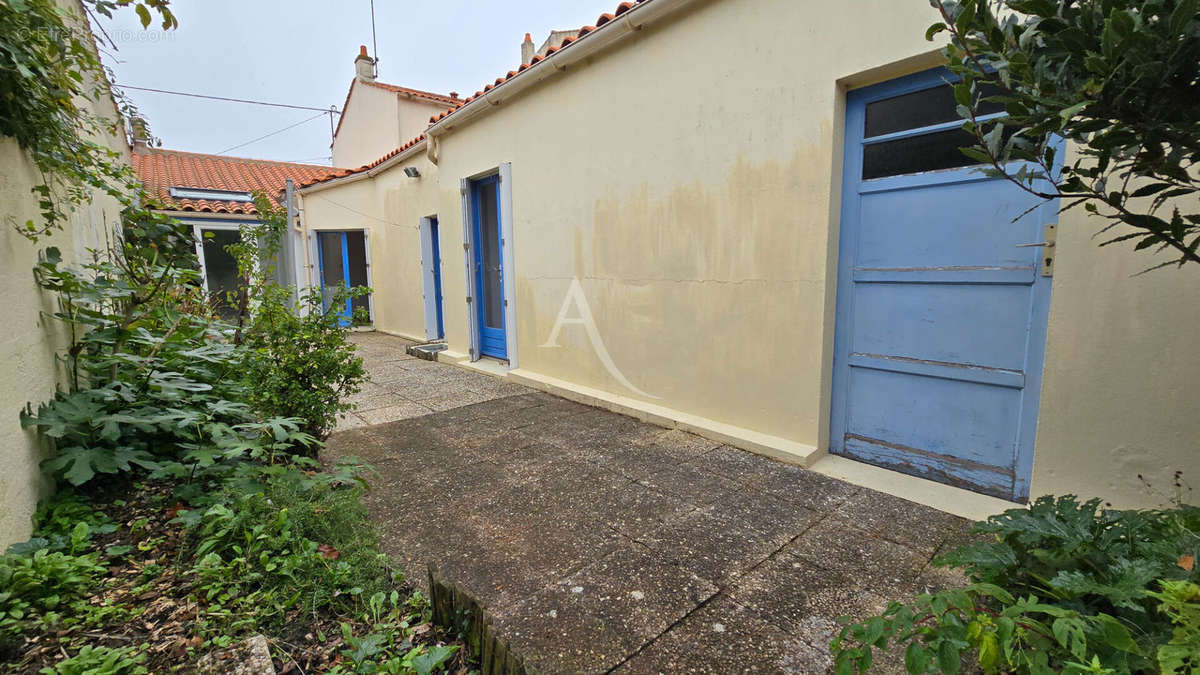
<point x="198" y="225"/>
<point x="211" y="194"/>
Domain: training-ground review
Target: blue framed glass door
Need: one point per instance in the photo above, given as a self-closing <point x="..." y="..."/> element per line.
<point x="489" y="269"/>
<point x="343" y="264"/>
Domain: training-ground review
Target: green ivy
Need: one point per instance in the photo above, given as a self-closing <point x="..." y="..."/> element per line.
<point x="50" y="79"/>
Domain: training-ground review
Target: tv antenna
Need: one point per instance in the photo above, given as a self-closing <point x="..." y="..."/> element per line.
<point x="374" y="45"/>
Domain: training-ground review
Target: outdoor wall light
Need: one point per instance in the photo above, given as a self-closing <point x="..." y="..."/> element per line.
<point x="411" y="172"/>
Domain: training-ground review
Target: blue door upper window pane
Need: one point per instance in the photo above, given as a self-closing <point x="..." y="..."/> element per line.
<point x="936" y="150"/>
<point x="919" y="109"/>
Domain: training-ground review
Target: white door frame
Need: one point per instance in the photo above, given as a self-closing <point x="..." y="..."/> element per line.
<point x="508" y="282"/>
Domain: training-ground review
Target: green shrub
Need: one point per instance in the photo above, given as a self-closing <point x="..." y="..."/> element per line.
<point x="154" y="376"/>
<point x="303" y="542"/>
<point x="302" y="364"/>
<point x="42" y="582"/>
<point x="101" y="661"/>
<point x="1062" y="586"/>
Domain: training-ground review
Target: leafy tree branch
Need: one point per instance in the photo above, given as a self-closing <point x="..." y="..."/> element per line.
<point x="1118" y="80"/>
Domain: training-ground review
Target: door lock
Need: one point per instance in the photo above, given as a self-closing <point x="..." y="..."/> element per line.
<point x="1048" y="243"/>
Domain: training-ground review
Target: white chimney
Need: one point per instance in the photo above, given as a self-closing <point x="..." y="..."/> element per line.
<point x="364" y="65"/>
<point x="527" y="50"/>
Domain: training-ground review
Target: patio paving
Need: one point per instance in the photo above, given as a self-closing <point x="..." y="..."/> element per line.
<point x="603" y="544"/>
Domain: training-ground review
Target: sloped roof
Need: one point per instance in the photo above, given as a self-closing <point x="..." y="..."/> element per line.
<point x="160" y="170"/>
<point x="341" y="173"/>
<point x="566" y="43"/>
<point x="415" y="93"/>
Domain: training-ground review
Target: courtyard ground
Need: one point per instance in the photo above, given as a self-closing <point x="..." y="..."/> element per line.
<point x="600" y="543"/>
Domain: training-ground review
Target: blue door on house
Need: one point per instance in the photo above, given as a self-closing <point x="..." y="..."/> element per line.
<point x="489" y="272"/>
<point x="342" y="257"/>
<point x="941" y="312"/>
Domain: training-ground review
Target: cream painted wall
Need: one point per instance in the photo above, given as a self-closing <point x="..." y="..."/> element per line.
<point x="413" y="116"/>
<point x="390" y="207"/>
<point x="30" y="340"/>
<point x="1120" y="392"/>
<point x="690" y="180"/>
<point x="686" y="179"/>
<point x="368" y="129"/>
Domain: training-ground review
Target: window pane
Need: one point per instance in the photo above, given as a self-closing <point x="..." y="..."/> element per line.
<point x="928" y="152"/>
<point x="220" y="268"/>
<point x="920" y="109"/>
<point x="333" y="272"/>
<point x="493" y="299"/>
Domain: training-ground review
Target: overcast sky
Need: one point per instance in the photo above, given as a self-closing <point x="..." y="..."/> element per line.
<point x="302" y="51"/>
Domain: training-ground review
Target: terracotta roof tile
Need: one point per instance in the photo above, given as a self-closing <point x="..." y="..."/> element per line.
<point x="160" y="170"/>
<point x="340" y="173"/>
<point x="415" y="93"/>
<point x="567" y="42"/>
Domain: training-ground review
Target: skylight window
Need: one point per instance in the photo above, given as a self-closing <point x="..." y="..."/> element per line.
<point x="208" y="193"/>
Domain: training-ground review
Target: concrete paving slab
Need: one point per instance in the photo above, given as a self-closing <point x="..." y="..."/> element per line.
<point x="902" y="521"/>
<point x="556" y="634"/>
<point x="711" y="545"/>
<point x="724" y="637"/>
<point x="601" y="543"/>
<point x="636" y="593"/>
<point x="836" y="545"/>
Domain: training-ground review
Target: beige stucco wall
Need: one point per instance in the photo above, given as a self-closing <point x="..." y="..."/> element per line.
<point x="412" y="116"/>
<point x="390" y="208"/>
<point x="690" y="180"/>
<point x="687" y="181"/>
<point x="376" y="122"/>
<point x="368" y="127"/>
<point x="1120" y="392"/>
<point x="30" y="339"/>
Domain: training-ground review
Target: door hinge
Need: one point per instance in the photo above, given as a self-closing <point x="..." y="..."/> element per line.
<point x="468" y="298"/>
<point x="466" y="247"/>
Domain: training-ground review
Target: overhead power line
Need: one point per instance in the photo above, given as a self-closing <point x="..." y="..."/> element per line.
<point x="279" y="131"/>
<point x="331" y="109"/>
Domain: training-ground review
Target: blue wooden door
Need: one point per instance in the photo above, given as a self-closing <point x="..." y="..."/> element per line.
<point x="489" y="272"/>
<point x="941" y="314"/>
